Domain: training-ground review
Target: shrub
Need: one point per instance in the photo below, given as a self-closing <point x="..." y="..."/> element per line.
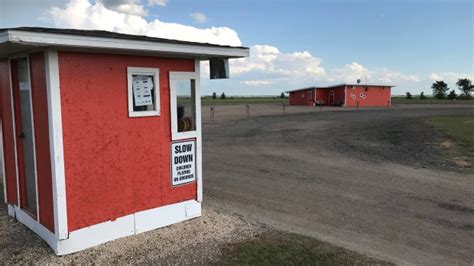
<point x="214" y="96"/>
<point x="452" y="95"/>
<point x="223" y="97"/>
<point x="422" y="96"/>
<point x="409" y="96"/>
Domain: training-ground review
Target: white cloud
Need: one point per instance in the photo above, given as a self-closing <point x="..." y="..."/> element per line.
<point x="449" y="76"/>
<point x="82" y="14"/>
<point x="132" y="7"/>
<point x="256" y="82"/>
<point x="268" y="60"/>
<point x="350" y="73"/>
<point x="157" y="2"/>
<point x="198" y="17"/>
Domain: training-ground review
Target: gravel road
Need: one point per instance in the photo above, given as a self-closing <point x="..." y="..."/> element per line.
<point x="375" y="181"/>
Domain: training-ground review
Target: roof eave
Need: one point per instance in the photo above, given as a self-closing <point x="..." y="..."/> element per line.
<point x="104" y="43"/>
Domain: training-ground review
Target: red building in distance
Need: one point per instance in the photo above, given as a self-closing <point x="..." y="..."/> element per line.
<point x="348" y="95"/>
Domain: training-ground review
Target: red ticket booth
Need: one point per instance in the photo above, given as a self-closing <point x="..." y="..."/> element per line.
<point x="102" y="131"/>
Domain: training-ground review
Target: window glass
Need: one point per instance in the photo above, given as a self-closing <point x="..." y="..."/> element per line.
<point x="143" y="92"/>
<point x="186" y="104"/>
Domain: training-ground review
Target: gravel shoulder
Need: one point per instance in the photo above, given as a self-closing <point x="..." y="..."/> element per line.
<point x="197" y="241"/>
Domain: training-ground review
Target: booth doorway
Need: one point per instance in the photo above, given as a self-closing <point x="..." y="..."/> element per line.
<point x="24" y="131"/>
<point x="331" y="98"/>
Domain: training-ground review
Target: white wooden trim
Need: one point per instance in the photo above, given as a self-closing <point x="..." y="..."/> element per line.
<point x="34" y="225"/>
<point x="56" y="144"/>
<point x="14" y="133"/>
<point x="2" y="161"/>
<point x="155" y="72"/>
<point x="68" y="40"/>
<point x="197" y="69"/>
<point x="107" y="231"/>
<point x="11" y="210"/>
<point x="175" y="135"/>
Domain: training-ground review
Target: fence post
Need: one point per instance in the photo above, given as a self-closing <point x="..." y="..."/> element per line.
<point x="212" y="114"/>
<point x="248" y="110"/>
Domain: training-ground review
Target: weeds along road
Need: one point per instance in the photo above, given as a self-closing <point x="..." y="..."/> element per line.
<point x="374" y="181"/>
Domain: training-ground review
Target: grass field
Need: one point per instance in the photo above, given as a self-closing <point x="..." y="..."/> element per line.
<point x="460" y="129"/>
<point x="279" y="248"/>
<point x="416" y="100"/>
<point x="207" y="100"/>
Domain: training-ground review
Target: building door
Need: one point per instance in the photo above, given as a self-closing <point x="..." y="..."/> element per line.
<point x="331" y="98"/>
<point x="24" y="131"/>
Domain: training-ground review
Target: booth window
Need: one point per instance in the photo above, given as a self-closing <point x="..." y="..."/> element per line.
<point x="143" y="91"/>
<point x="184" y="105"/>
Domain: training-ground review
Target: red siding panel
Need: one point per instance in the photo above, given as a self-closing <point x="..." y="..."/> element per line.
<point x="377" y="96"/>
<point x="8" y="134"/>
<point x="43" y="159"/>
<point x="115" y="165"/>
<point x="303" y="97"/>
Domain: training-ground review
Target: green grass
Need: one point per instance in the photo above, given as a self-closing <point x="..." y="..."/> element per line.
<point x="242" y="100"/>
<point x="430" y="100"/>
<point x="279" y="248"/>
<point x="460" y="129"/>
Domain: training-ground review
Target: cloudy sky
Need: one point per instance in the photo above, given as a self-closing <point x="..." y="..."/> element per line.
<point x="294" y="43"/>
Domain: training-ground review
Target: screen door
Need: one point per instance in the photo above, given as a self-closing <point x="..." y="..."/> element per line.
<point x="25" y="134"/>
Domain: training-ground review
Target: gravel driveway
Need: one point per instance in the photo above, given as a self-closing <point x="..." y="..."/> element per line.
<point x="375" y="181"/>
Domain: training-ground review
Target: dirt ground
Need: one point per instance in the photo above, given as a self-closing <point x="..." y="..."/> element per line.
<point x="377" y="181"/>
<point x="197" y="241"/>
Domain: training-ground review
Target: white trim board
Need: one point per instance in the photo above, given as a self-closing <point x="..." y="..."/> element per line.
<point x="56" y="144"/>
<point x="2" y="161"/>
<point x="107" y="231"/>
<point x="197" y="70"/>
<point x="23" y="37"/>
<point x="155" y="72"/>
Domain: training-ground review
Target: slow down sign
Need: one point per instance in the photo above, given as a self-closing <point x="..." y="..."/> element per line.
<point x="183" y="162"/>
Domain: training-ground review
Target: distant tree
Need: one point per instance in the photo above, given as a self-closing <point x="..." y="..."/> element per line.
<point x="452" y="95"/>
<point x="409" y="96"/>
<point x="422" y="96"/>
<point x="282" y="95"/>
<point x="440" y="88"/>
<point x="214" y="96"/>
<point x="465" y="85"/>
<point x="223" y="97"/>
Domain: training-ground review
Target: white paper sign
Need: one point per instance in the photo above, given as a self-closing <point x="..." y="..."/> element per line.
<point x="183" y="162"/>
<point x="142" y="86"/>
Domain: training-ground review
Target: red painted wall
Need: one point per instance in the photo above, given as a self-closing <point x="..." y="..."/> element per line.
<point x="303" y="97"/>
<point x="8" y="135"/>
<point x="376" y="96"/>
<point x="43" y="159"/>
<point x="115" y="165"/>
<point x="322" y="95"/>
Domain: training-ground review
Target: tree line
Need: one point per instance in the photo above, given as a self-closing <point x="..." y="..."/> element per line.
<point x="442" y="91"/>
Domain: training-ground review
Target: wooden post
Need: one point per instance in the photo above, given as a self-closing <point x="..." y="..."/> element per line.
<point x="212" y="114"/>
